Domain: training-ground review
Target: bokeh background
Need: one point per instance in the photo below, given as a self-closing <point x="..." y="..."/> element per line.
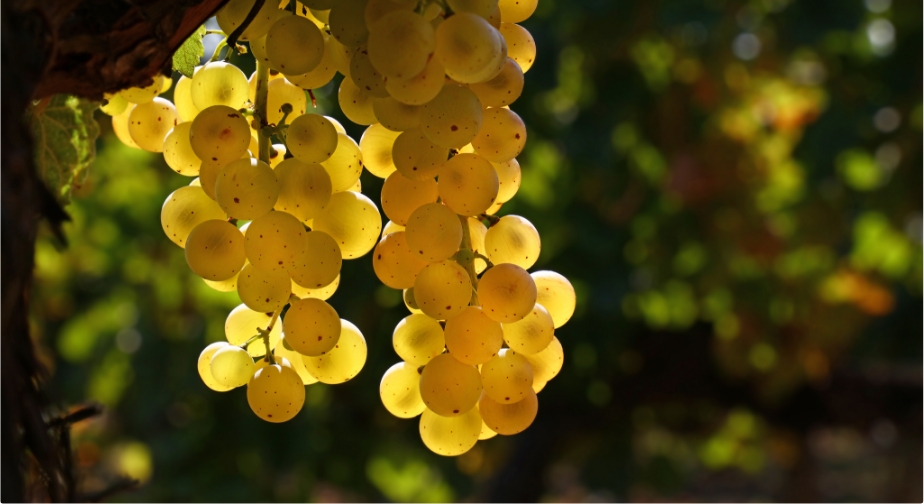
<point x="734" y="189"/>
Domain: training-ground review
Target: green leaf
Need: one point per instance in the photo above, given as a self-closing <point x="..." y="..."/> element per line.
<point x="64" y="132"/>
<point x="187" y="56"/>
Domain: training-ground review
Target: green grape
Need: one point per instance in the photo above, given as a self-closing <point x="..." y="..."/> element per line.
<point x="276" y="393"/>
<point x="468" y="184"/>
<point x="178" y="153"/>
<point x="229" y="285"/>
<point x="482" y="8"/>
<point x="320" y="262"/>
<point x="513" y="240"/>
<point x="342" y="363"/>
<point x="400" y="391"/>
<point x="219" y="134"/>
<point x="340" y="56"/>
<point x="182" y="99"/>
<point x="246" y="188"/>
<point x="546" y="364"/>
<point x="376" y="146"/>
<point x="320" y="75"/>
<point x="215" y="250"/>
<point x="311" y="138"/>
<point x="120" y="127"/>
<point x="520" y="45"/>
<point x="507" y="293"/>
<point x="282" y="351"/>
<point x="395" y="115"/>
<point x="472" y="337"/>
<point x="416" y="157"/>
<point x="467" y="45"/>
<point x="115" y="104"/>
<point x="294" y="45"/>
<point x="378" y="9"/>
<point x="304" y="188"/>
<point x="347" y="20"/>
<point x="400" y="43"/>
<point x="235" y="12"/>
<point x="443" y="289"/>
<point x="509" y="419"/>
<point x="323" y="293"/>
<point x="418" y="338"/>
<point x="449" y="387"/>
<point x="502" y="135"/>
<point x="390" y="227"/>
<point x="450" y="436"/>
<point x="434" y="232"/>
<point x="556" y="294"/>
<point x="312" y="327"/>
<point x="219" y="83"/>
<point x="453" y="118"/>
<point x="401" y="196"/>
<point x="508" y="377"/>
<point x="421" y="88"/>
<point x="364" y="75"/>
<point x="503" y="89"/>
<point x="231" y="366"/>
<point x="394" y="263"/>
<point x="243" y="323"/>
<point x="263" y="291"/>
<point x="515" y="11"/>
<point x="275" y="241"/>
<point x="280" y="92"/>
<point x="532" y="334"/>
<point x="410" y="302"/>
<point x="205" y="370"/>
<point x="139" y="95"/>
<point x="258" y="49"/>
<point x="353" y="221"/>
<point x="345" y="165"/>
<point x="149" y="123"/>
<point x="184" y="209"/>
<point x="508" y="177"/>
<point x="355" y="103"/>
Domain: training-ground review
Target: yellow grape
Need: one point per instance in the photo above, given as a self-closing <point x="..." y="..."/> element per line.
<point x="263" y="291"/>
<point x="513" y="240"/>
<point x="395" y="115"/>
<point x="390" y="227"/>
<point x="182" y="99"/>
<point x="149" y="123"/>
<point x="311" y="138"/>
<point x="235" y="12"/>
<point x="472" y="337"/>
<point x="178" y="153"/>
<point x="277" y="154"/>
<point x="322" y="74"/>
<point x="215" y="250"/>
<point x="502" y="135"/>
<point x="400" y="391"/>
<point x="208" y="176"/>
<point x="400" y="43"/>
<point x="120" y="127"/>
<point x="294" y="45"/>
<point x="556" y="294"/>
<point x="231" y="366"/>
<point x="515" y="11"/>
<point x="252" y="82"/>
<point x="243" y="323"/>
<point x="114" y="104"/>
<point x="486" y="432"/>
<point x="258" y="49"/>
<point x="219" y="83"/>
<point x="280" y="92"/>
<point x="547" y="363"/>
<point x="520" y="45"/>
<point x="509" y="177"/>
<point x="493" y="209"/>
<point x="468" y="184"/>
<point x="508" y="377"/>
<point x="304" y="188"/>
<point x="394" y="263"/>
<point x="532" y="334"/>
<point x="347" y="20"/>
<point x="353" y="221"/>
<point x="204" y="367"/>
<point x="320" y="262"/>
<point x="434" y="232"/>
<point x="355" y="103"/>
<point x="467" y="46"/>
<point x="418" y="338"/>
<point x="450" y="436"/>
<point x="275" y="241"/>
<point x="343" y="362"/>
<point x="443" y="289"/>
<point x="376" y="146"/>
<point x="416" y="157"/>
<point x="323" y="293"/>
<point x="401" y="196"/>
<point x="503" y="89"/>
<point x="494" y="18"/>
<point x="184" y="209"/>
<point x="483" y="8"/>
<point x="312" y="327"/>
<point x="284" y="352"/>
<point x="507" y="293"/>
<point x="509" y="419"/>
<point x="408" y="296"/>
<point x="276" y="393"/>
<point x="477" y="230"/>
<point x="219" y="134"/>
<point x="139" y="95"/>
<point x="377" y="9"/>
<point x="364" y="75"/>
<point x="229" y="285"/>
<point x="453" y="118"/>
<point x="449" y="387"/>
<point x="421" y="88"/>
<point x="318" y="17"/>
<point x="345" y="165"/>
<point x="340" y="56"/>
<point x="247" y="188"/>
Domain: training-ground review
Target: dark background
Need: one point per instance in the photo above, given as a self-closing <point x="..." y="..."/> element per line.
<point x="734" y="188"/>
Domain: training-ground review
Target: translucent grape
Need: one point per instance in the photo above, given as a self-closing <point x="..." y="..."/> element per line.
<point x="149" y="123"/>
<point x="219" y="134"/>
<point x="343" y="362"/>
<point x="320" y="75"/>
<point x="219" y="83"/>
<point x="114" y="104"/>
<point x="453" y="118"/>
<point x="235" y="12"/>
<point x="486" y="432"/>
<point x="204" y="367"/>
<point x="247" y="188"/>
<point x="508" y="177"/>
<point x="400" y="43"/>
<point x="311" y="138"/>
<point x="449" y="387"/>
<point x="483" y="8"/>
<point x="312" y="326"/>
<point x="477" y="230"/>
<point x="547" y="363"/>
<point x="417" y="339"/>
<point x="515" y="11"/>
<point x="304" y="188"/>
<point x="258" y="49"/>
<point x="215" y="250"/>
<point x="503" y="89"/>
<point x="507" y="293"/>
<point x="178" y="152"/>
<point x="409" y="301"/>
<point x="353" y="222"/>
<point x="394" y="263"/>
<point x="556" y="294"/>
<point x="420" y="88"/>
<point x="364" y="75"/>
<point x="277" y="154"/>
<point x="508" y="377"/>
<point x="120" y="127"/>
<point x="376" y="146"/>
<point x="467" y="45"/>
<point x="509" y="419"/>
<point x="401" y="196"/>
<point x="513" y="240"/>
<point x="395" y="115"/>
<point x="182" y="99"/>
<point x="263" y="291"/>
<point x="184" y="209"/>
<point x="231" y="366"/>
<point x="340" y="56"/>
<point x="434" y="232"/>
<point x="443" y="289"/>
<point x="323" y="293"/>
<point x="280" y="92"/>
<point x="347" y="22"/>
<point x="294" y="45"/>
<point x="345" y="165"/>
<point x="320" y="262"/>
<point x="416" y="157"/>
<point x="520" y="45"/>
<point x="145" y="94"/>
<point x="276" y="393"/>
<point x="532" y="334"/>
<point x="229" y="285"/>
<point x="355" y="103"/>
<point x="275" y="241"/>
<point x="400" y="391"/>
<point x="243" y="323"/>
<point x="450" y="436"/>
<point x="252" y="82"/>
<point x="208" y="176"/>
<point x="468" y="184"/>
<point x="494" y="18"/>
<point x="472" y="337"/>
<point x="502" y="135"/>
<point x="377" y="9"/>
<point x="283" y="351"/>
<point x="390" y="227"/>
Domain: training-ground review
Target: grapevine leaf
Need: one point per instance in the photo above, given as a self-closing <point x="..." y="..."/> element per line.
<point x="188" y="55"/>
<point x="64" y="132"/>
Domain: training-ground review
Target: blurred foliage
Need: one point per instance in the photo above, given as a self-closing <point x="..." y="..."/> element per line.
<point x="733" y="187"/>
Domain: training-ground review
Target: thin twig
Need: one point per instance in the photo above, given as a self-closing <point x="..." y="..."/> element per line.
<point x="236" y="34"/>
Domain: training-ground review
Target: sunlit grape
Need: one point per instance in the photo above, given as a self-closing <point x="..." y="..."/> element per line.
<point x="449" y="387"/>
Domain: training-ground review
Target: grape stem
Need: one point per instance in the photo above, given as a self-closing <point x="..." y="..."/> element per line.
<point x="265" y="333"/>
<point x="492" y="219"/>
<point x="466" y="258"/>
<point x="216" y="55"/>
<point x="236" y="34"/>
<point x="485" y="259"/>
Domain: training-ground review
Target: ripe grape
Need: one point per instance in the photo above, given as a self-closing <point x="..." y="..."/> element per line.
<point x="416" y="157"/>
<point x="353" y="221"/>
<point x="364" y="74"/>
<point x="547" y="363"/>
<point x="243" y="323"/>
<point x="472" y="337"/>
<point x="348" y="22"/>
<point x="263" y="291"/>
<point x="532" y="334"/>
<point x="344" y="361"/>
<point x="377" y="9"/>
<point x="323" y="293"/>
<point x="453" y="118"/>
<point x="483" y="8"/>
<point x="284" y="352"/>
<point x="395" y="115"/>
<point x="421" y="88"/>
<point x="390" y="227"/>
<point x="467" y="46"/>
<point x="486" y="432"/>
<point x="449" y="387"/>
<point x="204" y="367"/>
<point x="275" y="241"/>
<point x="311" y="138"/>
<point x="443" y="289"/>
<point x="513" y="240"/>
<point x="114" y="104"/>
<point x="400" y="391"/>
<point x="145" y="94"/>
<point x="376" y="146"/>
<point x="319" y="263"/>
<point x="520" y="45"/>
<point x="433" y="232"/>
<point x="149" y="123"/>
<point x="219" y="134"/>
<point x="276" y="393"/>
<point x="509" y="419"/>
<point x="323" y="73"/>
<point x="450" y="436"/>
<point x="502" y="135"/>
<point x="355" y="103"/>
<point x="184" y="209"/>
<point x="178" y="153"/>
<point x="219" y="83"/>
<point x="507" y="293"/>
<point x="508" y="377"/>
<point x="229" y="285"/>
<point x="477" y="230"/>
<point x="235" y="12"/>
<point x="400" y="43"/>
<point x="120" y="127"/>
<point x="394" y="263"/>
<point x="508" y="177"/>
<point x="281" y="92"/>
<point x="231" y="366"/>
<point x="247" y="188"/>
<point x="503" y="89"/>
<point x="515" y="11"/>
<point x="294" y="45"/>
<point x="312" y="326"/>
<point x="401" y="196"/>
<point x="182" y="99"/>
<point x="468" y="184"/>
<point x="215" y="250"/>
<point x="418" y="338"/>
<point x="345" y="165"/>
